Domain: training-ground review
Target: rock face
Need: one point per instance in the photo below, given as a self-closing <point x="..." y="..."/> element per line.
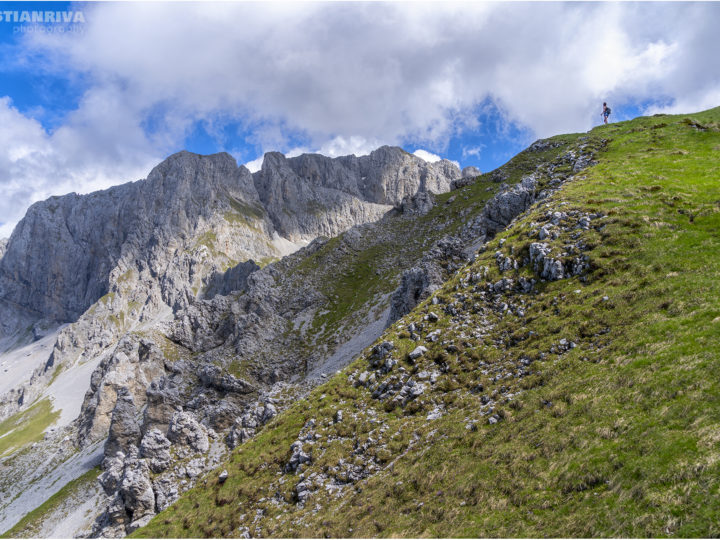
<point x="124" y="427"/>
<point x="64" y="254"/>
<point x="313" y="195"/>
<point x="502" y="209"/>
<point x="69" y="251"/>
<point x="128" y="372"/>
<point x="421" y="203"/>
<point x="115" y="259"/>
<point x="420" y="281"/>
<point x="234" y="279"/>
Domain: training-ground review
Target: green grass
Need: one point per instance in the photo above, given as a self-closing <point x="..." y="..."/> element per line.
<point x="246" y="210"/>
<point x="26" y="427"/>
<point x="239" y="369"/>
<point x="264" y="261"/>
<point x="619" y="436"/>
<point x="30" y="525"/>
<point x="246" y="214"/>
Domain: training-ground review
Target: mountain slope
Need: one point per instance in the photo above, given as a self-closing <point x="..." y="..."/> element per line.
<point x="126" y="257"/>
<point x="567" y="388"/>
<point x="132" y="266"/>
<point x="228" y="362"/>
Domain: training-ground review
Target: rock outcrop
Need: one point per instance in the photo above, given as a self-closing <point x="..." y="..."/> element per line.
<point x="233" y="280"/>
<point x="124" y="427"/>
<point x="502" y="209"/>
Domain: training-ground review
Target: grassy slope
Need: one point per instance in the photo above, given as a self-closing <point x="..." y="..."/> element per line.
<point x="617" y="437"/>
<point x="26" y="427"/>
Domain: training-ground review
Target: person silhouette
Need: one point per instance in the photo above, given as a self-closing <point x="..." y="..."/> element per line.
<point x="605" y="112"/>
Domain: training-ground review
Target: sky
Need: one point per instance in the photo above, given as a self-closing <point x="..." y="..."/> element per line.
<point x="102" y="98"/>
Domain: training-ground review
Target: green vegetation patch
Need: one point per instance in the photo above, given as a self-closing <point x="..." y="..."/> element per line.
<point x="243" y="213"/>
<point x="245" y="209"/>
<point x="26" y="427"/>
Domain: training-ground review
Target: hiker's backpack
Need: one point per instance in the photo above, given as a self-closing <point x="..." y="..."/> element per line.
<point x="608" y="110"/>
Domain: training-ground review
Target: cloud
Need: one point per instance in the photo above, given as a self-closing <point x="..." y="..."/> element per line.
<point x="378" y="71"/>
<point x="344" y="78"/>
<point x="81" y="156"/>
<point x="427" y="156"/>
<point x="339" y="146"/>
<point x="255" y="165"/>
<point x="345" y="146"/>
<point x="472" y="151"/>
<point x="430" y="157"/>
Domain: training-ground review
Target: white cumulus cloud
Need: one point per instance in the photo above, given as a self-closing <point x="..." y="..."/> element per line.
<point x="427" y="156"/>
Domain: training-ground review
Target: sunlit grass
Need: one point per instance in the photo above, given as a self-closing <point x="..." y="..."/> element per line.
<point x="26" y="427"/>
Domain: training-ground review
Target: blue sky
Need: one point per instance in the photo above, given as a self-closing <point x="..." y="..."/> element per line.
<point x="96" y="103"/>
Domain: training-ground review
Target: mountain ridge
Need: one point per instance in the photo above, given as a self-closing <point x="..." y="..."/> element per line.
<point x="144" y="248"/>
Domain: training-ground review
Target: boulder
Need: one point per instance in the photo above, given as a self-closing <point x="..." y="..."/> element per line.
<point x="124" y="427"/>
<point x="185" y="431"/>
<point x="297" y="458"/>
<point x="417" y="352"/>
<point x="155" y="447"/>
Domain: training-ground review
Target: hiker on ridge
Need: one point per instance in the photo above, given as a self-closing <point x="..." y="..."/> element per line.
<point x="606" y="112"/>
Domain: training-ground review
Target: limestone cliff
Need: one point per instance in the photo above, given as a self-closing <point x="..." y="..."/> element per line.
<point x="313" y="195"/>
<point x="117" y="259"/>
<point x="70" y="251"/>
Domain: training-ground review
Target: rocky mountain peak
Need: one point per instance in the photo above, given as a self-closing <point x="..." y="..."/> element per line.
<point x="353" y="189"/>
<point x="203" y="174"/>
<point x="193" y="216"/>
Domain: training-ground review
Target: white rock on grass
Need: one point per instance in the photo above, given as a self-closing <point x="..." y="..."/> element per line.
<point x="417" y="352"/>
